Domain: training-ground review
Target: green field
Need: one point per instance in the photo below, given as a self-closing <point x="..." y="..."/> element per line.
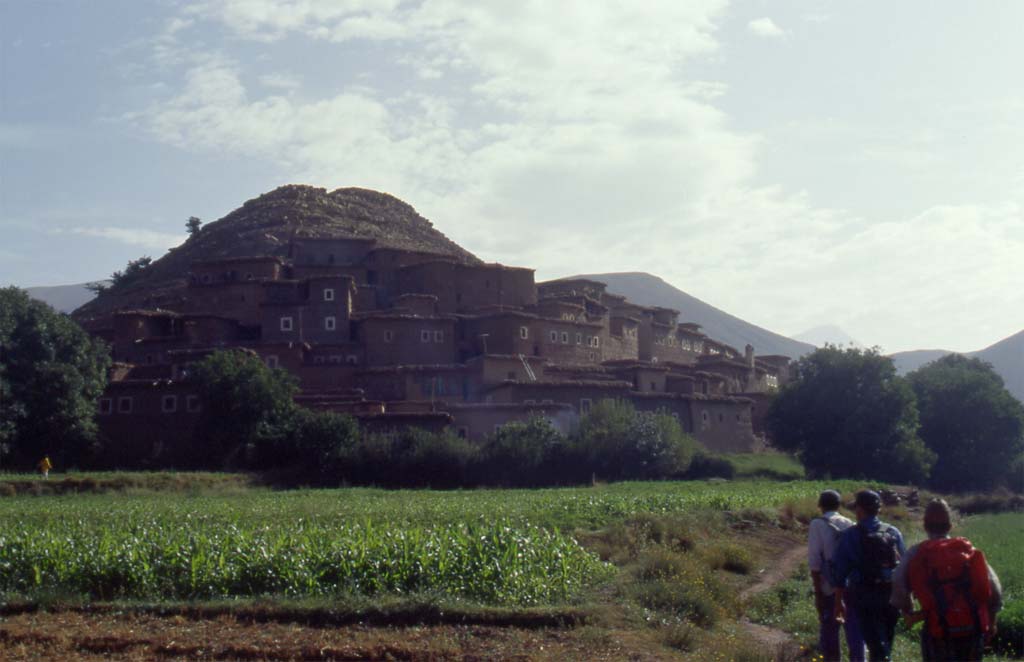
<point x="508" y="547"/>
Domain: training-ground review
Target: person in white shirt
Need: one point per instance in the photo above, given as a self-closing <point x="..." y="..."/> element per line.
<point x="822" y="538"/>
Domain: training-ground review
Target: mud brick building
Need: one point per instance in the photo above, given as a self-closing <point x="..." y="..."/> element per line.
<point x="402" y="336"/>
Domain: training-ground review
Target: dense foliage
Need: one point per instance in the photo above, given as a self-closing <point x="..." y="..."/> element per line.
<point x="51" y="375"/>
<point x="970" y="420"/>
<point x="848" y="414"/>
<point x="244" y="403"/>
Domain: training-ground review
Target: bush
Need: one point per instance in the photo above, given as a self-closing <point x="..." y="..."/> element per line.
<point x="527" y="454"/>
<point x="616" y="442"/>
<point x="706" y="465"/>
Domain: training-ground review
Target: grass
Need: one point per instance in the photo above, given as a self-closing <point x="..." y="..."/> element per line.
<point x="771" y="465"/>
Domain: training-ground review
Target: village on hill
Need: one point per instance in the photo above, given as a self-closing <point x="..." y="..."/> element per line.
<point x="402" y="334"/>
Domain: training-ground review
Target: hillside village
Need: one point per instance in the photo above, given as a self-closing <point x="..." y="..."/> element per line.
<point x="408" y="336"/>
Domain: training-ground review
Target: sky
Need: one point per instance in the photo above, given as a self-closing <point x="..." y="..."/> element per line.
<point x="795" y="163"/>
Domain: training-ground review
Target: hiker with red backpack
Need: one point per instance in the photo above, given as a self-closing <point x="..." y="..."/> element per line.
<point x="959" y="592"/>
<point x="822" y="540"/>
<point x="863" y="566"/>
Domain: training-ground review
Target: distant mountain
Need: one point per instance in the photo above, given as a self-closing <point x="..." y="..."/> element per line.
<point x="828" y="333"/>
<point x="64" y="298"/>
<point x="1006" y="356"/>
<point x="648" y="290"/>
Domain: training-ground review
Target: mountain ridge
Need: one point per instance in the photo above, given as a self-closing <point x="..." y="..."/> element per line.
<point x="650" y="290"/>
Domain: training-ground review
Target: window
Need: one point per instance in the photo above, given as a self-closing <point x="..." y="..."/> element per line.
<point x="149" y="359"/>
<point x="704" y="416"/>
<point x="438" y="336"/>
<point x="169" y="404"/>
<point x="554" y="336"/>
<point x="106" y="406"/>
<point x="565" y="337"/>
<point x="330" y="323"/>
<point x="328" y="294"/>
<point x="319" y="360"/>
<point x="721" y="418"/>
<point x="271" y="361"/>
<point x="389" y="335"/>
<point x="124" y="404"/>
<point x="352" y="359"/>
<point x="286" y="324"/>
<point x="424" y="336"/>
<point x="579" y="338"/>
<point x="192" y="403"/>
<point x="462" y="431"/>
<point x="585" y="405"/>
<point x="206" y="278"/>
<point x="524" y="332"/>
<point x="654" y="386"/>
<point x="249" y="276"/>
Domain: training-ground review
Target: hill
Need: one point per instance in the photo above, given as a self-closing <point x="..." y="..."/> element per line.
<point x="1006" y="356"/>
<point x="649" y="290"/>
<point x="266" y="224"/>
<point x="64" y="298"/>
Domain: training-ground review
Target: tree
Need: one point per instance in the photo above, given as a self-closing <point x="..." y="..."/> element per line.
<point x="193" y="225"/>
<point x="848" y="414"/>
<point x="51" y="375"/>
<point x="245" y="403"/>
<point x="525" y="454"/>
<point x="970" y="420"/>
<point x="131" y="271"/>
<point x="619" y="443"/>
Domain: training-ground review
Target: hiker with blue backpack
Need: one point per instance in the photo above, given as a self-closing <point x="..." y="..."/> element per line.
<point x="865" y="559"/>
<point x="959" y="592"/>
<point x="822" y="541"/>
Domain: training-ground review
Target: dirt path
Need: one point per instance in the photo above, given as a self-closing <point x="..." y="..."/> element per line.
<point x="781" y="569"/>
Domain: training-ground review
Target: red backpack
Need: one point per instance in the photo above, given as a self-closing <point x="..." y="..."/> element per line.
<point x="950" y="579"/>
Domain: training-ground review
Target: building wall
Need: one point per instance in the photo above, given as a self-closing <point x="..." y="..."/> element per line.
<point x="407" y="340"/>
<point x="723" y="426"/>
<point x="234" y="271"/>
<point x="326" y="319"/>
<point x="329" y="251"/>
<point x="567" y="342"/>
<point x="240" y="301"/>
<point x="150" y="433"/>
<point x="480" y="421"/>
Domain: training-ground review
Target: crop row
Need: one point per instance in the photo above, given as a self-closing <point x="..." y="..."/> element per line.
<point x="160" y="559"/>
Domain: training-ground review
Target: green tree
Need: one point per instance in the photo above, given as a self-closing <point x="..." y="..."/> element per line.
<point x="51" y="375"/>
<point x="193" y="225"/>
<point x="525" y="454"/>
<point x="245" y="404"/>
<point x="131" y="271"/>
<point x="970" y="420"/>
<point x="618" y="442"/>
<point x="849" y="415"/>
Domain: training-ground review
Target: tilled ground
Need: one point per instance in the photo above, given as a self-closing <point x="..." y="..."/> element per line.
<point x="79" y="636"/>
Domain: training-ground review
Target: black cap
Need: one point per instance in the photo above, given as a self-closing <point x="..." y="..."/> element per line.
<point x="869" y="501"/>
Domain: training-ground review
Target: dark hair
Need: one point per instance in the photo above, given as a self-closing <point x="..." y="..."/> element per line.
<point x="938" y="517"/>
<point x="829" y="500"/>
<point x="869" y="501"/>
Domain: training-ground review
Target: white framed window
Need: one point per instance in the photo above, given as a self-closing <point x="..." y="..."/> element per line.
<point x="585" y="405"/>
<point x="106" y="406"/>
<point x="287" y="324"/>
<point x="330" y="323"/>
<point x="271" y="361"/>
<point x="124" y="404"/>
<point x="554" y="336"/>
<point x="389" y="335"/>
<point x="579" y="338"/>
<point x="438" y="336"/>
<point x="328" y="294"/>
<point x="524" y="332"/>
<point x="169" y="404"/>
<point x="565" y="337"/>
<point x="424" y="335"/>
<point x="192" y="403"/>
<point x="597" y="341"/>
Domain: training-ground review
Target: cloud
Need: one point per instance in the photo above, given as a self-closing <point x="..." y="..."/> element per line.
<point x="573" y="137"/>
<point x="133" y="236"/>
<point x="765" y="27"/>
